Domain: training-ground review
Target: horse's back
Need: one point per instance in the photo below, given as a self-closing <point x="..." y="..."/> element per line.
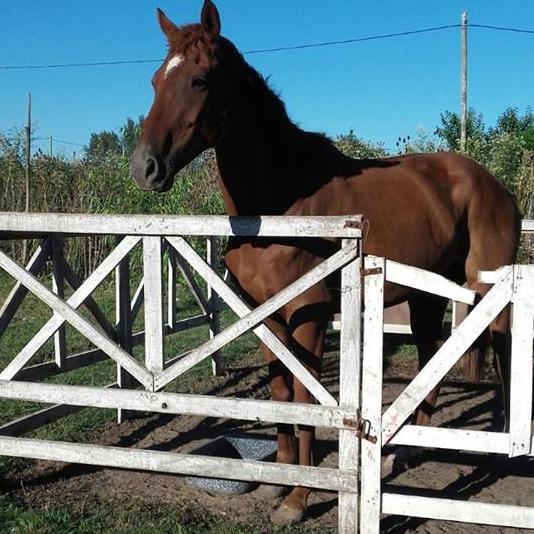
<point x="427" y="210"/>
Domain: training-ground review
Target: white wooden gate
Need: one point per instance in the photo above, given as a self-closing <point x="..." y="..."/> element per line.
<point x="511" y="284"/>
<point x="357" y="413"/>
<point x="157" y="370"/>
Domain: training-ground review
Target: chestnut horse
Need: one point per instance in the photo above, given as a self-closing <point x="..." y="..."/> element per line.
<point x="441" y="212"/>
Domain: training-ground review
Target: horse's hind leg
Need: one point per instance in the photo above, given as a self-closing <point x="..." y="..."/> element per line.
<point x="426" y="318"/>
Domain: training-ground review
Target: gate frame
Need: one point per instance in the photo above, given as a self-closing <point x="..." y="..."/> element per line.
<point x="512" y="284"/>
<point x="157" y="373"/>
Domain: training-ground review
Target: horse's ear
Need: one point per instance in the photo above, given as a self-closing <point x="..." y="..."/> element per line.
<point x="210" y="19"/>
<point x="167" y="26"/>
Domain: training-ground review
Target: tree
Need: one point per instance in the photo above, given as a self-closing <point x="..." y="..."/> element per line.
<point x="354" y="147"/>
<point x="449" y="131"/>
<point x="130" y="132"/>
<point x="102" y="145"/>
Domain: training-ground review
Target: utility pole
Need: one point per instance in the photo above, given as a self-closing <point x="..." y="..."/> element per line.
<point x="28" y="169"/>
<point x="51" y="146"/>
<point x="463" y="91"/>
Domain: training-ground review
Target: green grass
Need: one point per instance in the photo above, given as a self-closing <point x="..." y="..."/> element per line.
<point x="134" y="517"/>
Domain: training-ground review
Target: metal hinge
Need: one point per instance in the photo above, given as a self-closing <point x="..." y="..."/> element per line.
<point x="353" y="224"/>
<point x="374" y="270"/>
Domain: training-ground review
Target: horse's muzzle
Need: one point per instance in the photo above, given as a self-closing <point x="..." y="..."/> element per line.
<point x="149" y="171"/>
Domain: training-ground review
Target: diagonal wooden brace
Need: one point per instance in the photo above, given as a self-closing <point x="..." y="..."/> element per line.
<point x="66" y="311"/>
<point x="252" y="319"/>
<point x="14" y="299"/>
<point x="449" y="353"/>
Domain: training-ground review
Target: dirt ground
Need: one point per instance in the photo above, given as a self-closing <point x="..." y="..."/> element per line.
<point x="432" y="472"/>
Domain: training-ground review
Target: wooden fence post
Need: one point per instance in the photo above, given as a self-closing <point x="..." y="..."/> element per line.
<point x="521" y="364"/>
<point x="349" y="385"/>
<point x="212" y="254"/>
<point x="152" y="266"/>
<point x="373" y="326"/>
<point x="123" y="321"/>
<point x="171" y="286"/>
<point x="58" y="287"/>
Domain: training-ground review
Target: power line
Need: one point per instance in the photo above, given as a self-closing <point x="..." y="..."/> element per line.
<point x="354" y="40"/>
<point x="70" y="65"/>
<point x="275" y="49"/>
<point x="501" y="28"/>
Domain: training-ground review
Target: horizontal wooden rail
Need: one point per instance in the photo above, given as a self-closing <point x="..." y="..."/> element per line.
<point x="37" y="224"/>
<point x="455" y="510"/>
<point x="180" y="464"/>
<point x="433" y="283"/>
<point x="180" y="403"/>
<point x="455" y="439"/>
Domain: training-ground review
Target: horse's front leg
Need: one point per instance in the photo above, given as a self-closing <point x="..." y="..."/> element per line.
<point x="307" y="342"/>
<point x="281" y="385"/>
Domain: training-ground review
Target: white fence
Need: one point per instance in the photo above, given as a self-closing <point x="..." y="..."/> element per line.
<point x="363" y="428"/>
<point x="512" y="284"/>
<point x="20" y="381"/>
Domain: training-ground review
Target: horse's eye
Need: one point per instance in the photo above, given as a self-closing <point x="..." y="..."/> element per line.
<point x="199" y="83"/>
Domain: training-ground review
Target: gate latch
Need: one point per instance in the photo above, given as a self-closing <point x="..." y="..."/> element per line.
<point x="362" y="428"/>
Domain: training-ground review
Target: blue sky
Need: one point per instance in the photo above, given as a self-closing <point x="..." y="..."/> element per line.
<point x="381" y="89"/>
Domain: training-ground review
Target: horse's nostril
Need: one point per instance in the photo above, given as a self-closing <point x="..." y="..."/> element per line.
<point x="151" y="169"/>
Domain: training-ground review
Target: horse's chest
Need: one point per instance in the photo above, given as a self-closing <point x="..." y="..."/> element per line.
<point x="263" y="271"/>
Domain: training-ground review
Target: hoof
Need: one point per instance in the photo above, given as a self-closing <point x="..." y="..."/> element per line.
<point x="285" y="515"/>
<point x="269" y="492"/>
<point x="399" y="460"/>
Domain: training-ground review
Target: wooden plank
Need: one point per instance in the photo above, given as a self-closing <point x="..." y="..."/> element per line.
<point x="123" y="322"/>
<point x="138" y="299"/>
<point x="192" y="285"/>
<point x="251" y="319"/>
<point x="58" y="287"/>
<point x="212" y="257"/>
<point x="153" y="272"/>
<point x="521" y="364"/>
<point x="160" y="225"/>
<point x="450" y="352"/>
<point x="74" y="281"/>
<point x="184" y="464"/>
<point x="37" y="419"/>
<point x="490" y="277"/>
<point x="17" y="294"/>
<point x="427" y="281"/>
<point x="180" y="326"/>
<point x="50" y="327"/>
<point x="177" y="403"/>
<point x="453" y="510"/>
<point x="349" y="385"/>
<point x="455" y="439"/>
<point x="75" y="319"/>
<point x="44" y="370"/>
<point x="171" y="286"/>
<point x="373" y="356"/>
<point x="241" y="309"/>
<point x="40" y="418"/>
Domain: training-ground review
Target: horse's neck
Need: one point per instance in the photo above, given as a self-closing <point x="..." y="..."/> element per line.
<point x="265" y="174"/>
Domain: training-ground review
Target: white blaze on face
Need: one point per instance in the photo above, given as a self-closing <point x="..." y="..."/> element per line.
<point x="174" y="62"/>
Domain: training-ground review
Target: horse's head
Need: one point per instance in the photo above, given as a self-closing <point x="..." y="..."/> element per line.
<point x="184" y="118"/>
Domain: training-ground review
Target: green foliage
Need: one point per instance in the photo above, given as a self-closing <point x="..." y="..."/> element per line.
<point x="449" y="130"/>
<point x="354" y="147"/>
<point x="101" y="183"/>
